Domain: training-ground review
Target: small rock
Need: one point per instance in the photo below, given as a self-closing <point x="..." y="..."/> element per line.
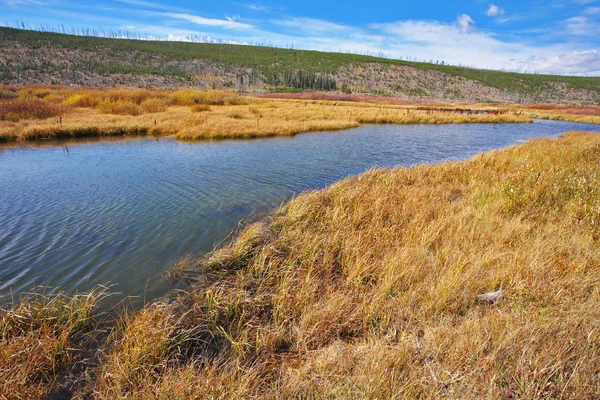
<point x="490" y="297"/>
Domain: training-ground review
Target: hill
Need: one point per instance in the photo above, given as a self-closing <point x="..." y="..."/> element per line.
<point x="31" y="57"/>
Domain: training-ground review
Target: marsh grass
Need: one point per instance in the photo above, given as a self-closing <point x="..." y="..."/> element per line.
<point x="45" y="339"/>
<point x="18" y="109"/>
<point x="368" y="288"/>
<point x="195" y="115"/>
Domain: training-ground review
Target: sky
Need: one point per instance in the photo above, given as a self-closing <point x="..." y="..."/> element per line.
<point x="555" y="36"/>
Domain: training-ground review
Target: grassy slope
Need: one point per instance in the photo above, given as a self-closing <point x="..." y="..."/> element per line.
<point x="368" y="289"/>
<point x="271" y="61"/>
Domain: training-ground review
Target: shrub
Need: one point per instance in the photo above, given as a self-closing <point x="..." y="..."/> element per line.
<point x="7" y="94"/>
<point x="154" y="105"/>
<point x="188" y="97"/>
<point x="85" y="99"/>
<point x="18" y="109"/>
<point x="119" y="107"/>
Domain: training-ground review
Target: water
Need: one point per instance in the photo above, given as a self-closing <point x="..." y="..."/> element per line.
<point x="121" y="211"/>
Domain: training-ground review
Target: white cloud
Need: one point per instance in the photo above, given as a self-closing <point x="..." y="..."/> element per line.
<point x="465" y="23"/>
<point x="256" y="7"/>
<point x="592" y="11"/>
<point x="581" y="26"/>
<point x="311" y="25"/>
<point x="228" y="23"/>
<point x="494" y="11"/>
<point x="145" y="4"/>
<point x="574" y="62"/>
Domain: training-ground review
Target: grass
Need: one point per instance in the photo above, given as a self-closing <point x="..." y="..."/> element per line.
<point x="368" y="289"/>
<point x="196" y="115"/>
<point x="19" y="109"/>
<point x="45" y="340"/>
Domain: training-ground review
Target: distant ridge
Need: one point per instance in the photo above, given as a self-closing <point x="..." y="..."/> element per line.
<point x="30" y="57"/>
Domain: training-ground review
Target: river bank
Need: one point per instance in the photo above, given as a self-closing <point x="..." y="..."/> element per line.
<point x="37" y="113"/>
<point x="368" y="288"/>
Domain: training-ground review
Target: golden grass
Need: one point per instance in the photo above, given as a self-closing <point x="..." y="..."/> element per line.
<point x="194" y="115"/>
<point x="584" y="119"/>
<point x="43" y="339"/>
<point x="368" y="289"/>
<point x="581" y="114"/>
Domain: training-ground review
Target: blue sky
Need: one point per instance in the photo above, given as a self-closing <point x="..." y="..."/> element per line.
<point x="556" y="36"/>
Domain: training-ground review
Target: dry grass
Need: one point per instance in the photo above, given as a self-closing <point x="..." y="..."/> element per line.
<point x="368" y="289"/>
<point x="584" y="119"/>
<point x="22" y="109"/>
<point x="195" y="115"/>
<point x="44" y="339"/>
<point x="582" y="114"/>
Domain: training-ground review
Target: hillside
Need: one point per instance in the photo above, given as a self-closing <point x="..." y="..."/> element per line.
<point x="30" y="57"/>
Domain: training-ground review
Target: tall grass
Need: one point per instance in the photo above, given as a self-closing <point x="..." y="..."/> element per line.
<point x="368" y="289"/>
<point x="22" y="109"/>
<point x="44" y="341"/>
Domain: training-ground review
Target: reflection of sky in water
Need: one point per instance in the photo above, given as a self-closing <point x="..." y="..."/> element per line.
<point x="122" y="211"/>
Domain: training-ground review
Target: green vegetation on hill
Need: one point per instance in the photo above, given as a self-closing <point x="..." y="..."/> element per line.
<point x="300" y="69"/>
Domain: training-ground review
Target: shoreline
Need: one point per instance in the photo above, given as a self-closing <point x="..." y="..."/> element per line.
<point x="386" y="266"/>
<point x="56" y="112"/>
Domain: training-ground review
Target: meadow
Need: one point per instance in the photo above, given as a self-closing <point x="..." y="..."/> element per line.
<point x="370" y="288"/>
<point x="34" y="113"/>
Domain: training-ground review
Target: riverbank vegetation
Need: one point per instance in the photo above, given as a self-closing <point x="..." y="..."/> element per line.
<point x="582" y="114"/>
<point x="371" y="289"/>
<point x="33" y="113"/>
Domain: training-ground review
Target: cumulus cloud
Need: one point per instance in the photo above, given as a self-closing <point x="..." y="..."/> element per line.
<point x="494" y="11"/>
<point x="574" y="62"/>
<point x="465" y="23"/>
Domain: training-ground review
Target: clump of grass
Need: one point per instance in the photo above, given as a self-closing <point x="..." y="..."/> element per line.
<point x="8" y="94"/>
<point x="81" y="100"/>
<point x="154" y="105"/>
<point x="200" y="108"/>
<point x="21" y="109"/>
<point x="143" y="348"/>
<point x="119" y="107"/>
<point x="7" y="134"/>
<point x="43" y="338"/>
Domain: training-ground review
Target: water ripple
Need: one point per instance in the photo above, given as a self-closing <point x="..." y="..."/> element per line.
<point x="122" y="212"/>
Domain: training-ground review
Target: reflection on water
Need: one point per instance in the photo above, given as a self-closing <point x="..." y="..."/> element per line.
<point x="121" y="211"/>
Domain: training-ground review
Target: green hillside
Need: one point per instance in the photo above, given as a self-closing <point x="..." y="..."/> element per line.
<point x="275" y="67"/>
